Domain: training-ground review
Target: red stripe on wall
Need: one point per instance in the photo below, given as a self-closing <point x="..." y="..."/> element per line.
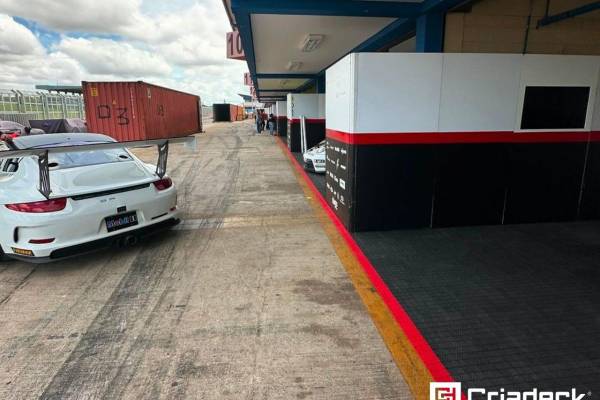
<point x="462" y="137"/>
<point x="311" y="120"/>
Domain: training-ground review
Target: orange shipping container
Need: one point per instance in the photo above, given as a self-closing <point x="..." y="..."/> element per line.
<point x="240" y="113"/>
<point x="130" y="111"/>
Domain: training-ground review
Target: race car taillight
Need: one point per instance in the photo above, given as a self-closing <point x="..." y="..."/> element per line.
<point x="41" y="241"/>
<point x="163" y="184"/>
<point x="47" y="206"/>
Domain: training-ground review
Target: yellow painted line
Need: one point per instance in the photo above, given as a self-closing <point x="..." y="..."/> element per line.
<point x="411" y="366"/>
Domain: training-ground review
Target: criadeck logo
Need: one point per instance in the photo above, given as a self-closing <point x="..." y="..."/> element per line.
<point x="444" y="391"/>
<point x="453" y="391"/>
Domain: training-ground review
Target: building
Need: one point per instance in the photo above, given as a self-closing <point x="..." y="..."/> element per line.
<point x="498" y="123"/>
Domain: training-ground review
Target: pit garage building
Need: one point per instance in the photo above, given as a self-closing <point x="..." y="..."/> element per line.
<point x="439" y="112"/>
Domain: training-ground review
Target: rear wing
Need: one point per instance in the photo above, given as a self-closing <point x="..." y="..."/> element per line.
<point x="42" y="155"/>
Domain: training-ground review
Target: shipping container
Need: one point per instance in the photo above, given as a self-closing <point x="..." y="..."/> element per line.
<point x="225" y="112"/>
<point x="222" y="112"/>
<point x="130" y="111"/>
<point x="241" y="113"/>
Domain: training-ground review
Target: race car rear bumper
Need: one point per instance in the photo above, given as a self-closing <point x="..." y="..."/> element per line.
<point x="95" y="245"/>
<point x="309" y="165"/>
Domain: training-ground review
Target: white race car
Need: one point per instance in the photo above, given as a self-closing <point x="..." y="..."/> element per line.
<point x="99" y="198"/>
<point x="314" y="158"/>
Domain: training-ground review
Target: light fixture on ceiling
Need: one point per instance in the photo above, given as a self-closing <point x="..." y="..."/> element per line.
<point x="311" y="42"/>
<point x="293" y="65"/>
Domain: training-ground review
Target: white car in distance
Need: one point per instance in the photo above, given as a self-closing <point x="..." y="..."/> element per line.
<point x="99" y="198"/>
<point x="314" y="158"/>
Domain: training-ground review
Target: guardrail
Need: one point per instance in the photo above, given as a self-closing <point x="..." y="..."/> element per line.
<point x="41" y="105"/>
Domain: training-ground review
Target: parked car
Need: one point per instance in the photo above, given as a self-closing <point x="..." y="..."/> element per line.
<point x="10" y="129"/>
<point x="99" y="198"/>
<point x="66" y="125"/>
<point x="314" y="158"/>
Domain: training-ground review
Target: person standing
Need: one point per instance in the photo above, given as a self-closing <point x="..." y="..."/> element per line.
<point x="271" y="124"/>
<point x="258" y="121"/>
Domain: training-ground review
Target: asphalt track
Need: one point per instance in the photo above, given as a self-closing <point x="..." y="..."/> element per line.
<point x="247" y="299"/>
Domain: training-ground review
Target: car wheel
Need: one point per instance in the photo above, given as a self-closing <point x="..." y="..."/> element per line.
<point x="4" y="257"/>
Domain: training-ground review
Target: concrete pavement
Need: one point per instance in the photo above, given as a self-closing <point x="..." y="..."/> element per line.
<point x="246" y="299"/>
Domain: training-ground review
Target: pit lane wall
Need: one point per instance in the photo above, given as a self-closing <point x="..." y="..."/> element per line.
<point x="431" y="140"/>
<point x="281" y="118"/>
<point x="312" y="107"/>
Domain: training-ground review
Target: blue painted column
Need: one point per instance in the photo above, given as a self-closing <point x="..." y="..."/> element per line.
<point x="430" y="33"/>
<point x="320" y="84"/>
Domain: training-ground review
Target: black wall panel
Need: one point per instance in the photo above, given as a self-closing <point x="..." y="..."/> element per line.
<point x="339" y="180"/>
<point x="315" y="132"/>
<point x="441" y="185"/>
<point x="293" y="137"/>
<point x="393" y="186"/>
<point x="281" y="127"/>
<point x="545" y="180"/>
<point x="470" y="184"/>
<point x="590" y="204"/>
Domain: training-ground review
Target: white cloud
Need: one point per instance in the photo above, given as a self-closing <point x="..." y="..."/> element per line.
<point x="108" y="57"/>
<point x="17" y="40"/>
<point x="178" y="44"/>
<point x="107" y="16"/>
<point x="25" y="61"/>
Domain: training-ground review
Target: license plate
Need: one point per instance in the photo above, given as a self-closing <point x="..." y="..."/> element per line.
<point x="121" y="221"/>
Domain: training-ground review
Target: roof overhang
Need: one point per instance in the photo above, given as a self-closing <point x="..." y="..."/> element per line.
<point x="272" y="33"/>
<point x="61" y="88"/>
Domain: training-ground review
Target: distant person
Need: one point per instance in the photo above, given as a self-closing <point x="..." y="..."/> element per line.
<point x="258" y="122"/>
<point x="271" y="124"/>
<point x="264" y="119"/>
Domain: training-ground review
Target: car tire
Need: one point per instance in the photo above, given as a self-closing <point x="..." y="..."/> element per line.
<point x="4" y="257"/>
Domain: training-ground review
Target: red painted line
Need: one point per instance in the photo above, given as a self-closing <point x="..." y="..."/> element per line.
<point x="462" y="137"/>
<point x="437" y="370"/>
<point x="309" y="120"/>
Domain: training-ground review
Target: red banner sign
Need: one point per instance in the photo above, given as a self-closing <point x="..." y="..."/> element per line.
<point x="234" y="46"/>
<point x="247" y="79"/>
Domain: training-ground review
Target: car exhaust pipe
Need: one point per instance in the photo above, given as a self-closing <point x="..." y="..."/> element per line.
<point x="131" y="240"/>
<point x="127" y="241"/>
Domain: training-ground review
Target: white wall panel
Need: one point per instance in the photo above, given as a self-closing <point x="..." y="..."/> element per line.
<point x="302" y="104"/>
<point x="410" y="92"/>
<point x="281" y="108"/>
<point x="339" y="95"/>
<point x="559" y="70"/>
<point x="322" y="105"/>
<point x="596" y="115"/>
<point x="398" y="92"/>
<point x="479" y="92"/>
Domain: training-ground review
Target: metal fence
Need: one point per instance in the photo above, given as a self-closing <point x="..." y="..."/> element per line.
<point x="42" y="105"/>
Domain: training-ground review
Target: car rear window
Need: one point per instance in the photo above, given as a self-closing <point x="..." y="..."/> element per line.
<point x="90" y="157"/>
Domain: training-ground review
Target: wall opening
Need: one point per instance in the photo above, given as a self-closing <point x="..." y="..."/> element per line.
<point x="555" y="107"/>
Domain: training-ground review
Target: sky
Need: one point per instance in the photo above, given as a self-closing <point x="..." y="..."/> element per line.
<point x="174" y="43"/>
